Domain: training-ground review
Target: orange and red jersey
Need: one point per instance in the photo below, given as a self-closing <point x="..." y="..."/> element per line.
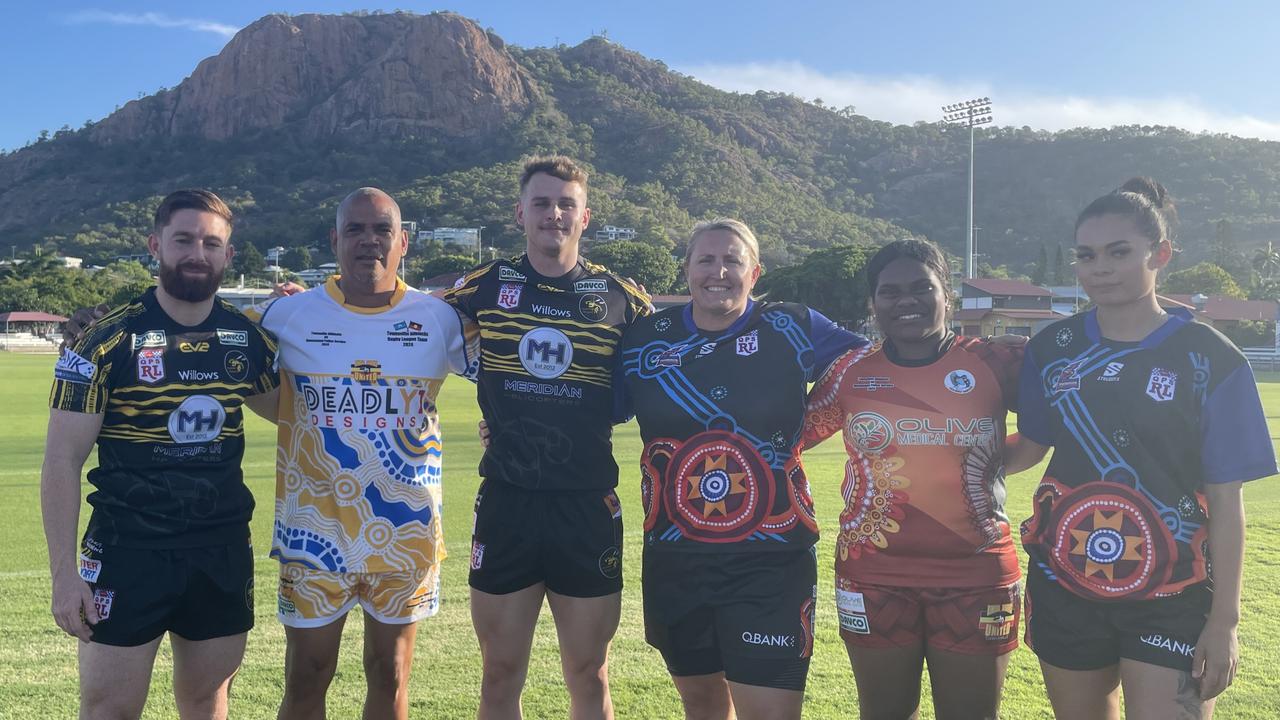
<point x="924" y="484"/>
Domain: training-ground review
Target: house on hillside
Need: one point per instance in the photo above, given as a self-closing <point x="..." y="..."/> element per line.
<point x="990" y="306"/>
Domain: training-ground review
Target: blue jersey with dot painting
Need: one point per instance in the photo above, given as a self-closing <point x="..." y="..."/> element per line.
<point x="1138" y="430"/>
<point x="721" y="415"/>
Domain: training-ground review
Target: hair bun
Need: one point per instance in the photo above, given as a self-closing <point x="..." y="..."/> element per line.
<point x="1148" y="188"/>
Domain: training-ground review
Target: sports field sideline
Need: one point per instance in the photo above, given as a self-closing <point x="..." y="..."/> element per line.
<point x="37" y="660"/>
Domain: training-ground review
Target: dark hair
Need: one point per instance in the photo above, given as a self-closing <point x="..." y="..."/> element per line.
<point x="557" y="166"/>
<point x="922" y="251"/>
<point x="190" y="199"/>
<point x="1141" y="199"/>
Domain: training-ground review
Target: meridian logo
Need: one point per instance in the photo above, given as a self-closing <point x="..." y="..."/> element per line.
<point x="546" y="353"/>
<point x="198" y="419"/>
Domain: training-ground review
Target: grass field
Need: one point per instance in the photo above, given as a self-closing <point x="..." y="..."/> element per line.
<point x="38" y="666"/>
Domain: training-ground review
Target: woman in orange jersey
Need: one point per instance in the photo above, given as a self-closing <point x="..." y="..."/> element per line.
<point x="925" y="566"/>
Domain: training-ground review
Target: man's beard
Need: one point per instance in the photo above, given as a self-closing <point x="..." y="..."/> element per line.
<point x="189" y="289"/>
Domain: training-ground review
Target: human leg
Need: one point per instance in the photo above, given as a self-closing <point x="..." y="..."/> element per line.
<point x="388" y="658"/>
<point x="585" y="627"/>
<point x="202" y="674"/>
<point x="970" y="634"/>
<point x="504" y="627"/>
<point x="209" y="627"/>
<point x="705" y="697"/>
<point x="883" y="632"/>
<point x="114" y="680"/>
<point x="310" y="660"/>
<point x="1152" y="692"/>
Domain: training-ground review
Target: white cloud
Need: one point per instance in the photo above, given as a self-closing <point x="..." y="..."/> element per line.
<point x="908" y="99"/>
<point x="152" y="19"/>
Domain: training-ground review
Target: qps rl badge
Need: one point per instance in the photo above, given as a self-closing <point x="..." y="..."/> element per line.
<point x="546" y="352"/>
<point x="198" y="419"/>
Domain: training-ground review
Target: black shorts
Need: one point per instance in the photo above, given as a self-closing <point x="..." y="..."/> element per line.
<point x="746" y="614"/>
<point x="1075" y="633"/>
<point x="196" y="593"/>
<point x="571" y="540"/>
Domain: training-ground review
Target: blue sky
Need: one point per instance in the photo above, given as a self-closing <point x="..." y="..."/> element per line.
<point x="1045" y="64"/>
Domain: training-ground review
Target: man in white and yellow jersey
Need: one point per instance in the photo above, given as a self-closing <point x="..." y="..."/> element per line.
<point x="358" y="491"/>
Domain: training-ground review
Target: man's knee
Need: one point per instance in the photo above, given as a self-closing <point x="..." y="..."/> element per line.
<point x="587" y="674"/>
<point x="386" y="674"/>
<point x="308" y="673"/>
<point x="106" y="703"/>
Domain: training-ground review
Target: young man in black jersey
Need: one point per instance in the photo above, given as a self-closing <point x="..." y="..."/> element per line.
<point x="548" y="523"/>
<point x="158" y="384"/>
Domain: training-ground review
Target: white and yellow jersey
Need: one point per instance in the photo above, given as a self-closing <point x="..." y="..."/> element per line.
<point x="358" y="461"/>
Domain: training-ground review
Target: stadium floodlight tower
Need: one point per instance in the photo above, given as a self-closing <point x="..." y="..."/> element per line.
<point x="971" y="113"/>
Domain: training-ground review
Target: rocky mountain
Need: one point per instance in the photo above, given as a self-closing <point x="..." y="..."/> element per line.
<point x="319" y="76"/>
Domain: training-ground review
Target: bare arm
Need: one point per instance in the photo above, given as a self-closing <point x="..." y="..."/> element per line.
<point x="72" y="436"/>
<point x="1217" y="652"/>
<point x="265" y="405"/>
<point x="1021" y="453"/>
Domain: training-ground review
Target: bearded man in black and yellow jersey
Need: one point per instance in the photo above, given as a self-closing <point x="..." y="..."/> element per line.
<point x="158" y="384"/>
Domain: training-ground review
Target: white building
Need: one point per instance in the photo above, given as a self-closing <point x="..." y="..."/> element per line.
<point x="612" y="232"/>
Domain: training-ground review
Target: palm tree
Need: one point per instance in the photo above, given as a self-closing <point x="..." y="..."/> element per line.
<point x="1267" y="261"/>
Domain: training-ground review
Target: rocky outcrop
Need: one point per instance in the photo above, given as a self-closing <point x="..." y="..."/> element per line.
<point x="394" y="74"/>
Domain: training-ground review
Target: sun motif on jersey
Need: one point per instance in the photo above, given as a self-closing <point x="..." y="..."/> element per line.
<point x="1105" y="540"/>
<point x="1104" y="544"/>
<point x="713" y="482"/>
<point x="715" y="487"/>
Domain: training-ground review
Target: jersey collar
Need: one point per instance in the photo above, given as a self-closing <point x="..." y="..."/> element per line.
<point x="1177" y="318"/>
<point x="733" y="329"/>
<point x="333" y="291"/>
<point x="564" y="281"/>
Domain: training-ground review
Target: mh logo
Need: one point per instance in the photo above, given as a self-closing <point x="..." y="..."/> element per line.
<point x="546" y="352"/>
<point x="198" y="419"/>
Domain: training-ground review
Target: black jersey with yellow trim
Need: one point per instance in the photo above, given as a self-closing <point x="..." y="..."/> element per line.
<point x="172" y="436"/>
<point x="545" y="381"/>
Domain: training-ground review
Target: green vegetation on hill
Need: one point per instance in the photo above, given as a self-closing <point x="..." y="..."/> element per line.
<point x="664" y="151"/>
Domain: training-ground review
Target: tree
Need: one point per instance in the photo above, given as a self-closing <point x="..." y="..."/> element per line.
<point x="248" y="260"/>
<point x="650" y="266"/>
<point x="1267" y="261"/>
<point x="301" y="257"/>
<point x="1041" y="272"/>
<point x="831" y="281"/>
<point x="442" y="264"/>
<point x="1206" y="278"/>
<point x="1063" y="272"/>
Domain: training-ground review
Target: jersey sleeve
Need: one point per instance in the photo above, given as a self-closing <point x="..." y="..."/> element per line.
<point x="1006" y="363"/>
<point x="1033" y="407"/>
<point x="269" y="366"/>
<point x="82" y="377"/>
<point x="830" y="341"/>
<point x="462" y="295"/>
<point x="623" y="408"/>
<point x="824" y="415"/>
<point x="1235" y="444"/>
<point x="639" y="302"/>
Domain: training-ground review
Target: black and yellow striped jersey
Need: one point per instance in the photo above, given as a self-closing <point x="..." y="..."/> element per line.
<point x="172" y="435"/>
<point x="547" y="352"/>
